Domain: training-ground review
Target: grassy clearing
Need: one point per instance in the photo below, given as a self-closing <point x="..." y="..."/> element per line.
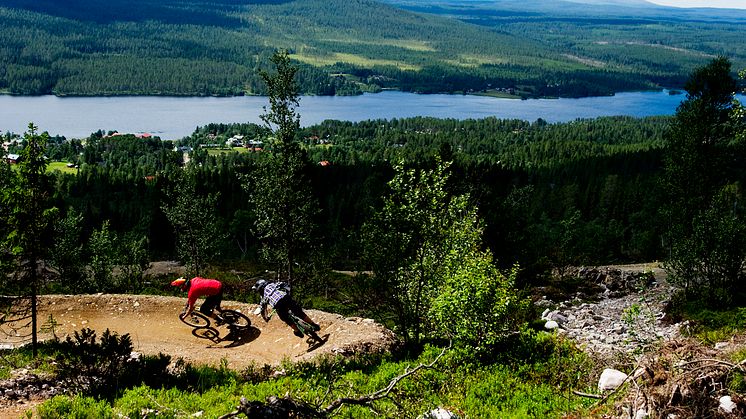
<point x="217" y="151"/>
<point x="62" y="167"/>
<point x="471" y="60"/>
<point x="409" y="44"/>
<point x="340" y="57"/>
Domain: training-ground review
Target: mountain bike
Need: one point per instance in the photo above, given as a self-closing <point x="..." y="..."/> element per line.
<point x="202" y="324"/>
<point x="305" y="328"/>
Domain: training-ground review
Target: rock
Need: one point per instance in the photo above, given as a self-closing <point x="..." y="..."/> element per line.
<point x="439" y="413"/>
<point x="727" y="404"/>
<point x="558" y="317"/>
<point x="545" y="314"/>
<point x="551" y="325"/>
<point x="611" y="379"/>
<point x="721" y="345"/>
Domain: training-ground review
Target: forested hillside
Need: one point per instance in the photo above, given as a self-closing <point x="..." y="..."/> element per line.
<point x="550" y="194"/>
<point x="659" y="43"/>
<point x="91" y="47"/>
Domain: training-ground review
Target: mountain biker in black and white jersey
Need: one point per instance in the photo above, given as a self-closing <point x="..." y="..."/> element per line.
<point x="277" y="296"/>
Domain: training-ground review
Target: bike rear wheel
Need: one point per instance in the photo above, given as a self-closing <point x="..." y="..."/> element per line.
<point x="313" y="336"/>
<point x="235" y="318"/>
<point x="306" y="328"/>
<point x="196" y="319"/>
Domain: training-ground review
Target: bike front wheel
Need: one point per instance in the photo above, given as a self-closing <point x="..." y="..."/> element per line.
<point x="196" y="319"/>
<point x="235" y="318"/>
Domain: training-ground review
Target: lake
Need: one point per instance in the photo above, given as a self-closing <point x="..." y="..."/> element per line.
<point x="176" y="117"/>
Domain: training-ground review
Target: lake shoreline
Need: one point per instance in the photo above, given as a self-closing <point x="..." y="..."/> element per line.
<point x="173" y="118"/>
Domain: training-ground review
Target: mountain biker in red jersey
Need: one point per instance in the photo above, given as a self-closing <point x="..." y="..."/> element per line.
<point x="277" y="296"/>
<point x="198" y="287"/>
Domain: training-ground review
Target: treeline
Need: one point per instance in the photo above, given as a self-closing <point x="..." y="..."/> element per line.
<point x="550" y="194"/>
<point x="341" y="48"/>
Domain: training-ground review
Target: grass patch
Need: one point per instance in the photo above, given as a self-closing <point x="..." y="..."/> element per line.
<point x="62" y="167"/>
<point x="340" y="57"/>
<point x="472" y="60"/>
<point x="711" y="326"/>
<point x="706" y="323"/>
<point x="218" y="151"/>
<point x="409" y="44"/>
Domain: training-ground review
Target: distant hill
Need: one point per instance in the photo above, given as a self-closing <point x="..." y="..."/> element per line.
<point x="214" y="47"/>
<point x="577" y="9"/>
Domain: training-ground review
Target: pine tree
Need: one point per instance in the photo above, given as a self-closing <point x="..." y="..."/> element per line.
<point x="30" y="223"/>
<point x="707" y="225"/>
<point x="282" y="198"/>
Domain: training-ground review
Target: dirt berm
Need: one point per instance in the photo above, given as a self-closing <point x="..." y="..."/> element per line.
<point x="154" y="326"/>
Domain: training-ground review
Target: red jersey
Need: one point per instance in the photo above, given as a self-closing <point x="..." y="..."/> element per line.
<point x="203" y="287"/>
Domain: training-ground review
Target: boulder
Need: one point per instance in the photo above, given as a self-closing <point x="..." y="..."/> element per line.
<point x="611" y="379"/>
<point x="727" y="404"/>
<point x="551" y="325"/>
<point x="439" y="413"/>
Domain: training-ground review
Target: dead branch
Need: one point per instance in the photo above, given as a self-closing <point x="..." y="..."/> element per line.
<point x="275" y="408"/>
<point x="588" y="395"/>
<point x="382" y="393"/>
<point x="287" y="407"/>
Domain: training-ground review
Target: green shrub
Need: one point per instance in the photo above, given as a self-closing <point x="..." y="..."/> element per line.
<point x="77" y="407"/>
<point x="200" y="378"/>
<point x="91" y="367"/>
<point x="711" y="325"/>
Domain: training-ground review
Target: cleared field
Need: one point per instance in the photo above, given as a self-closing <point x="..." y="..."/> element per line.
<point x="61" y="166"/>
<point x="339" y="57"/>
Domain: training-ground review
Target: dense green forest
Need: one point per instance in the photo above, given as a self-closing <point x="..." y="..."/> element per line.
<point x="342" y="47"/>
<point x="538" y="186"/>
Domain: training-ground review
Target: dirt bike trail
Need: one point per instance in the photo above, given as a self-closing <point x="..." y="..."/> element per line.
<point x="153" y="324"/>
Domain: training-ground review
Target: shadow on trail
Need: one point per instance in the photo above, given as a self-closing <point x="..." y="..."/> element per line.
<point x="241" y="336"/>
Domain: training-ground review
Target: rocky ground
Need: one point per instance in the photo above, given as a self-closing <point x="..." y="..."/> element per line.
<point x="620" y="320"/>
<point x="621" y="312"/>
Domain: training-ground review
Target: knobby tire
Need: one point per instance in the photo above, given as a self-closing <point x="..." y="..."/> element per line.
<point x="196" y="319"/>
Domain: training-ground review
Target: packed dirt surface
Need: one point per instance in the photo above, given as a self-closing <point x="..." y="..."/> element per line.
<point x="154" y="326"/>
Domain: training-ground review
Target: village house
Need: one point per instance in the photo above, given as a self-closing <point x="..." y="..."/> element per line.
<point x="235" y="141"/>
<point x="255" y="145"/>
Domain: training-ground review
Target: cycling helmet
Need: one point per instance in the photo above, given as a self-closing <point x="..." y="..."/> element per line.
<point x="179" y="282"/>
<point x="259" y="286"/>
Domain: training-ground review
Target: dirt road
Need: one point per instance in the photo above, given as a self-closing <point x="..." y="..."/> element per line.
<point x="153" y="324"/>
